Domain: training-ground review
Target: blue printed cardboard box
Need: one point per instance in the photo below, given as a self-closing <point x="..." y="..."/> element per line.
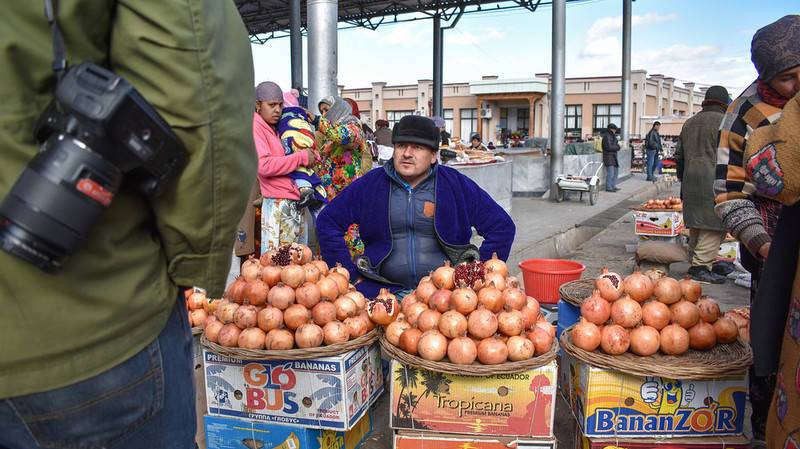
<point x="326" y="393"/>
<point x="231" y="433"/>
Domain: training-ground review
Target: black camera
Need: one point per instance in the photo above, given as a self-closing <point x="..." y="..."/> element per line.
<point x="98" y="135"/>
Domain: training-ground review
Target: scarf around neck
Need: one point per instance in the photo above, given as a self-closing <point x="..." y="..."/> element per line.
<point x="770" y="95"/>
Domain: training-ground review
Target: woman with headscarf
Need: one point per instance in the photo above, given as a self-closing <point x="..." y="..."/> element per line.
<point x="747" y="213"/>
<point x="281" y="221"/>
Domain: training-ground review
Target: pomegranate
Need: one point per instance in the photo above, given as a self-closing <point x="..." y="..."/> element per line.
<point x="307" y="295"/>
<point x="269" y="318"/>
<point x="514" y="298"/>
<point x="311" y="272"/>
<point x="656" y="314"/>
<point x="251" y="338"/>
<point x="638" y="286"/>
<point x="690" y="289"/>
<point x="444" y="277"/>
<point x="462" y="351"/>
<point x="626" y="312"/>
<point x="614" y="339"/>
<point x="323" y="313"/>
<point x="409" y="340"/>
<point x="384" y="308"/>
<point x="542" y="339"/>
<point x="342" y="284"/>
<point x="709" y="309"/>
<point x="341" y="270"/>
<point x="309" y="335"/>
<point x="482" y="323"/>
<point x="295" y="316"/>
<point x="432" y="345"/>
<point x="271" y="275"/>
<point x="251" y="269"/>
<point x="425" y="289"/>
<point x="497" y="279"/>
<point x="610" y="285"/>
<point x="440" y="300"/>
<point x="510" y="323"/>
<point x="428" y="320"/>
<point x="674" y="340"/>
<point x="358" y="298"/>
<point x="414" y="312"/>
<point x="519" y="348"/>
<point x="685" y="314"/>
<point x="321" y="266"/>
<point x="293" y="275"/>
<point x="226" y="310"/>
<point x="596" y="309"/>
<point x="702" y="336"/>
<point x="586" y="335"/>
<point x="395" y="329"/>
<point x="281" y="296"/>
<point x="357" y="326"/>
<point x="668" y="290"/>
<point x="345" y="308"/>
<point x="235" y="290"/>
<point x="335" y="332"/>
<point x="197" y="298"/>
<point x="328" y="289"/>
<point x="726" y="329"/>
<point x="212" y="330"/>
<point x="491" y="298"/>
<point x="452" y="324"/>
<point x="246" y="316"/>
<point x="496" y="265"/>
<point x="279" y="340"/>
<point x="197" y="318"/>
<point x="464" y="300"/>
<point x="229" y="335"/>
<point x="645" y="340"/>
<point x="492" y="351"/>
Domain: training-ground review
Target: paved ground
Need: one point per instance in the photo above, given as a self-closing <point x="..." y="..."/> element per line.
<point x="597" y="236"/>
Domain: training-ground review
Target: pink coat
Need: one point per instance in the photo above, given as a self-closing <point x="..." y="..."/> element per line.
<point x="274" y="164"/>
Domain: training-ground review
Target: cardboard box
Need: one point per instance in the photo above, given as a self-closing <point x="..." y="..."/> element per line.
<point x="200" y="391"/>
<point x="616" y="405"/>
<point x="665" y="224"/>
<point x="520" y="404"/>
<point x="231" y="433"/>
<point x="432" y="440"/>
<point x="327" y="393"/>
<point x="729" y="442"/>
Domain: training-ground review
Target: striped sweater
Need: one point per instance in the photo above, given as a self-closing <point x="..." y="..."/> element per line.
<point x="735" y="195"/>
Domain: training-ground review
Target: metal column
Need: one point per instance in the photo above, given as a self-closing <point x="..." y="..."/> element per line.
<point x="296" y="44"/>
<point x="322" y="17"/>
<point x="438" y="60"/>
<point x="626" y="73"/>
<point x="557" y="93"/>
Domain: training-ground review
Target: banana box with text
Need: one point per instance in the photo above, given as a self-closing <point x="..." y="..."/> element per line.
<point x="231" y="433"/>
<point x="726" y="442"/>
<point x="327" y="393"/>
<point x="519" y="404"/>
<point x="613" y="404"/>
<point x="665" y="224"/>
<point x="431" y="440"/>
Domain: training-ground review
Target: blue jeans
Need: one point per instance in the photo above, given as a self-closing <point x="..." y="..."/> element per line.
<point x="145" y="402"/>
<point x="652" y="161"/>
<point x="611" y="177"/>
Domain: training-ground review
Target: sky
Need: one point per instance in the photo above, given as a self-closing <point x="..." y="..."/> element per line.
<point x="702" y="41"/>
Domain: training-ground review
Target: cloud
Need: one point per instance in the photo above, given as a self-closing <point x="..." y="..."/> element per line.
<point x="610" y="25"/>
<point x="474" y="37"/>
<point x="408" y="35"/>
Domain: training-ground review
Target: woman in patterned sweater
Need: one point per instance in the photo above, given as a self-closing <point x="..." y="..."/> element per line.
<point x="750" y="217"/>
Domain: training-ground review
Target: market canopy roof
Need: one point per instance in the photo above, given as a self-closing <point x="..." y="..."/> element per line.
<point x="268" y="18"/>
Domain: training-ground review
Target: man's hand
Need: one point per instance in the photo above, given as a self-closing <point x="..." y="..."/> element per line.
<point x="311" y="116"/>
<point x="312" y="157"/>
<point x="764" y="250"/>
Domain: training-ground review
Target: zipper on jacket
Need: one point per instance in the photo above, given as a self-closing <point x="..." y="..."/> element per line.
<point x="411" y="235"/>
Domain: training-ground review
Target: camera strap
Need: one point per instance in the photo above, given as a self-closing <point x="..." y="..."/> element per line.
<point x="59" y="49"/>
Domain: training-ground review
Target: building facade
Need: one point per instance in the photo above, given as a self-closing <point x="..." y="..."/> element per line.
<point x="492" y="105"/>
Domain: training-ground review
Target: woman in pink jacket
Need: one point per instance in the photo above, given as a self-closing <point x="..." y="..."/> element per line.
<point x="281" y="221"/>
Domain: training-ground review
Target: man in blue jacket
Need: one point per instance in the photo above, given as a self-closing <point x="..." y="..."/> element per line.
<point x="413" y="215"/>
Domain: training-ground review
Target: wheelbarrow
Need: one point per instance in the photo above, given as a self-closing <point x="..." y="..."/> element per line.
<point x="584" y="181"/>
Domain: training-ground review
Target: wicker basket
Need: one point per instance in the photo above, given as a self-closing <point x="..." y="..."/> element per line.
<point x="723" y="360"/>
<point x="290" y="354"/>
<point x="576" y="292"/>
<point x="197" y="330"/>
<point x="474" y="370"/>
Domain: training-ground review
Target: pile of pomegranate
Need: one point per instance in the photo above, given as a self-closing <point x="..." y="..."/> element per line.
<point x="463" y="314"/>
<point x="671" y="203"/>
<point x="285" y="300"/>
<point x="646" y="314"/>
<point x="199" y="306"/>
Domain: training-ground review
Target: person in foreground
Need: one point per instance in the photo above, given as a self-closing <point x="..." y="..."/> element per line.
<point x="696" y="156"/>
<point x="414" y="215"/>
<point x="100" y="354"/>
<point x="610" y="150"/>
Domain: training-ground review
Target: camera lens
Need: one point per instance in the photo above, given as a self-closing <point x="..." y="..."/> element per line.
<point x="55" y="202"/>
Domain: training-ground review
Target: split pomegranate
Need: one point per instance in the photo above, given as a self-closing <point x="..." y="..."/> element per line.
<point x="432" y="345"/>
<point x="519" y="348"/>
<point x="645" y="340"/>
<point x="452" y="324"/>
<point x="482" y="323"/>
<point x="626" y="312"/>
<point x="709" y="309"/>
<point x="685" y="314"/>
<point x="596" y="309"/>
<point x="384" y="308"/>
<point x="638" y="286"/>
<point x="463" y="300"/>
<point x="674" y="340"/>
<point x="323" y="313"/>
<point x="251" y="338"/>
<point x="470" y="275"/>
<point x="269" y="318"/>
<point x="492" y="351"/>
<point x="656" y="314"/>
<point x="440" y="300"/>
<point x="586" y="335"/>
<point x="726" y="329"/>
<point x="690" y="289"/>
<point x="462" y="351"/>
<point x="610" y="285"/>
<point x="702" y="336"/>
<point x="335" y="332"/>
<point x="496" y="265"/>
<point x="409" y="340"/>
<point x="229" y="335"/>
<point x="309" y="335"/>
<point x="668" y="290"/>
<point x="614" y="339"/>
<point x="281" y="296"/>
<point x="444" y="277"/>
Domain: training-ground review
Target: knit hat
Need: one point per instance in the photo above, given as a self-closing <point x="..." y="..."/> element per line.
<point x="775" y="47"/>
<point x="327" y="100"/>
<point x="416" y="129"/>
<point x="718" y="94"/>
<point x="290" y="99"/>
<point x="269" y="92"/>
<point x="381" y="123"/>
<point x="353" y="107"/>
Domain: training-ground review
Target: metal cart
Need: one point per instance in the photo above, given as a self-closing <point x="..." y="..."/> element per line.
<point x="582" y="182"/>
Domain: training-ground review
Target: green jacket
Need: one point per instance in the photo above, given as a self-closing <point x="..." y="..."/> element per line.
<point x="191" y="60"/>
<point x="696" y="155"/>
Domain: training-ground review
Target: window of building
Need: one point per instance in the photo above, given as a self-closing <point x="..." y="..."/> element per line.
<point x="635" y="86"/>
<point x="523" y="117"/>
<point x="448" y="120"/>
<point x="400" y="92"/>
<point x="573" y="118"/>
<point x="394" y="116"/>
<point x="469" y="123"/>
<point x="377" y="96"/>
<point x="605" y="114"/>
<point x="503" y="118"/>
